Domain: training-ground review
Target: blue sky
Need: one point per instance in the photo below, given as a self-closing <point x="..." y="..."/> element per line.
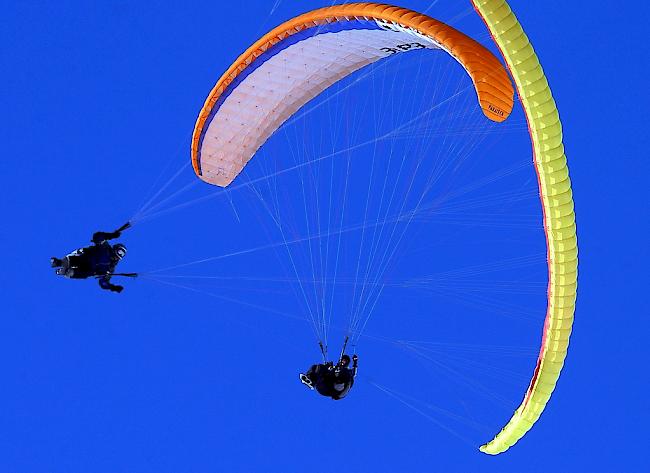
<point x="194" y="374"/>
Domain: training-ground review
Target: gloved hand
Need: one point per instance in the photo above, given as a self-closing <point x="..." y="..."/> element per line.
<point x="355" y="358"/>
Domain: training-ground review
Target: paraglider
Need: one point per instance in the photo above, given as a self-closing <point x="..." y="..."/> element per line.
<point x="329" y="380"/>
<point x="301" y="58"/>
<point x="98" y="260"/>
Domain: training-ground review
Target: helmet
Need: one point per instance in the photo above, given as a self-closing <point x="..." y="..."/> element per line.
<point x="345" y="360"/>
<point x="120" y="250"/>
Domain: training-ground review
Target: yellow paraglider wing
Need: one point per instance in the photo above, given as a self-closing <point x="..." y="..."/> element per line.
<point x="559" y="218"/>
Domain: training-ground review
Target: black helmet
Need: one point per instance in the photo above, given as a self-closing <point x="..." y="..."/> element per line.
<point x="120" y="250"/>
<point x="345" y="360"/>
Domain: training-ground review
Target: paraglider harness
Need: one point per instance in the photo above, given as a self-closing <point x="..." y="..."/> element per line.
<point x="331" y="380"/>
<point x="98" y="260"/>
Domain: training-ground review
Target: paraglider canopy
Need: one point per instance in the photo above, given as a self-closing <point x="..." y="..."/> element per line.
<point x="299" y="59"/>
